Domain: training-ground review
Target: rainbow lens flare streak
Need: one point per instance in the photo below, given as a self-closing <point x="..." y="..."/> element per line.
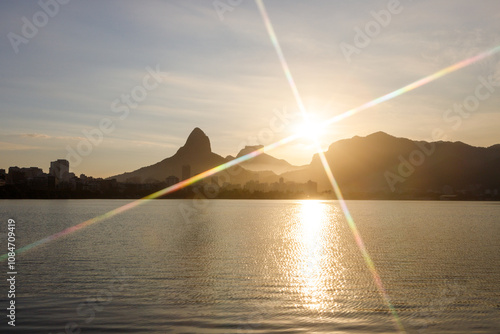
<point x="283" y="141"/>
<point x="267" y="148"/>
<point x="414" y="85"/>
<point x="165" y="191"/>
<point x="360" y="243"/>
<point x="281" y="56"/>
<point x="326" y="166"/>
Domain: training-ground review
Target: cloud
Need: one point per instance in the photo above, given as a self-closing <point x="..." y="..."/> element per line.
<point x="34" y="135"/>
<point x="45" y="136"/>
<point x="6" y="146"/>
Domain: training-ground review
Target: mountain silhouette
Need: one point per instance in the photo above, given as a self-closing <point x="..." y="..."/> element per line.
<point x="376" y="163"/>
<point x="195" y="153"/>
<point x="264" y="162"/>
<point x="381" y="162"/>
<point x="197" y="143"/>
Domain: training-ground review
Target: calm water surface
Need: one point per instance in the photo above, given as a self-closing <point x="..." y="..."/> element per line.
<point x="175" y="266"/>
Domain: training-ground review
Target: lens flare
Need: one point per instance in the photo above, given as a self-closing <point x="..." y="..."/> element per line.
<point x="311" y="132"/>
<point x="415" y="84"/>
<point x="168" y="190"/>
<point x="210" y="172"/>
<point x="267" y="148"/>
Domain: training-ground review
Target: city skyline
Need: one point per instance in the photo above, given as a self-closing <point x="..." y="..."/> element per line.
<point x="250" y="166"/>
<point x="194" y="64"/>
<point x="418" y="174"/>
<point x="244" y="150"/>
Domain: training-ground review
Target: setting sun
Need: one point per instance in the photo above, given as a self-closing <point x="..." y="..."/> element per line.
<point x="311" y="129"/>
<point x="250" y="166"/>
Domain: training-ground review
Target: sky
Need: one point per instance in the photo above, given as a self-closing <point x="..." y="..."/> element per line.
<point x="121" y="84"/>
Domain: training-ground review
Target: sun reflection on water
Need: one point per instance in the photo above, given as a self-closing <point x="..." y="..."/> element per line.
<point x="317" y="265"/>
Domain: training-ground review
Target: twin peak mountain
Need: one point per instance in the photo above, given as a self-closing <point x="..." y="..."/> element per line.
<point x="197" y="154"/>
<point x="377" y="162"/>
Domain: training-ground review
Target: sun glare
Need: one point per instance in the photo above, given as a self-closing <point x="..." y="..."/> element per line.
<point x="310" y="129"/>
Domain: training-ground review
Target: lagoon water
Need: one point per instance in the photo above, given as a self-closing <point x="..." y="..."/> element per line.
<point x="237" y="266"/>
